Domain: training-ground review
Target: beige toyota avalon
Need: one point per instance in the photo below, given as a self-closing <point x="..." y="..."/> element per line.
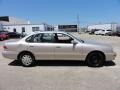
<point x="57" y="46"/>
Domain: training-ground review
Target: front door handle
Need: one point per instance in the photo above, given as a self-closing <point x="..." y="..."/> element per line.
<point x="31" y="46"/>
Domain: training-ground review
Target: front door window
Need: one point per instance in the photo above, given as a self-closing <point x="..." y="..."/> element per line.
<point x="62" y="38"/>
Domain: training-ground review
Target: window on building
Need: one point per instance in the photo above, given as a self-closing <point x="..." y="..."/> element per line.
<point x="35" y="29"/>
<point x="23" y="29"/>
<point x="14" y="30"/>
<point x="4" y="28"/>
<point x="48" y="28"/>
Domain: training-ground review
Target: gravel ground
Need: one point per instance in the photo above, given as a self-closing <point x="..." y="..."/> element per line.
<point x="58" y="75"/>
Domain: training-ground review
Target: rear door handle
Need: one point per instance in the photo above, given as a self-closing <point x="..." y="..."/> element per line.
<point x="58" y="47"/>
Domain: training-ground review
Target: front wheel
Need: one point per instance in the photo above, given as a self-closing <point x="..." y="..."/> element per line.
<point x="95" y="59"/>
<point x="27" y="59"/>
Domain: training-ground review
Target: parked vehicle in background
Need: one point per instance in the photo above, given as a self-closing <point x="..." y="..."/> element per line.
<point x="111" y="33"/>
<point x="23" y="35"/>
<point x="93" y="31"/>
<point x="14" y="35"/>
<point x="104" y="32"/>
<point x="99" y="32"/>
<point x="118" y="33"/>
<point x="3" y="36"/>
<point x="3" y="31"/>
<point x="57" y="46"/>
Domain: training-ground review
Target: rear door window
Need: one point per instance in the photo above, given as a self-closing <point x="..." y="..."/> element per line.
<point x="42" y="37"/>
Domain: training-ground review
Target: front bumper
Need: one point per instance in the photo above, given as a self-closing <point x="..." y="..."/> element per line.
<point x="110" y="56"/>
<point x="10" y="54"/>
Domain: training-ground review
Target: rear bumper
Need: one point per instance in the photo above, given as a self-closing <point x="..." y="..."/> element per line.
<point x="110" y="56"/>
<point x="10" y="54"/>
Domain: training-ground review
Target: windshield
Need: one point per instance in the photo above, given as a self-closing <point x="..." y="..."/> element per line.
<point x="80" y="40"/>
<point x="109" y="30"/>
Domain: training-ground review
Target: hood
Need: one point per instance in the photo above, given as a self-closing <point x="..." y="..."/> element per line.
<point x="97" y="43"/>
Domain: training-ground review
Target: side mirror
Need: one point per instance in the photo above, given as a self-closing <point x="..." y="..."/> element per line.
<point x="82" y="41"/>
<point x="74" y="42"/>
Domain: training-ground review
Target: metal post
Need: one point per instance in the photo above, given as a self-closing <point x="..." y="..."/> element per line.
<point x="78" y="23"/>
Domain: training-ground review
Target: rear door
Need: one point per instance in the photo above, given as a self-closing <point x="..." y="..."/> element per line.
<point x="41" y="45"/>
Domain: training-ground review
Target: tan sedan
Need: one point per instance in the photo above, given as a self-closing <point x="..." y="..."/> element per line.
<point x="57" y="46"/>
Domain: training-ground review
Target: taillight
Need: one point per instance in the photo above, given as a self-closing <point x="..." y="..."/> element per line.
<point x="5" y="47"/>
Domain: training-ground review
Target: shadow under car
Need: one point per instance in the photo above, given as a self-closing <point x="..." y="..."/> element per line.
<point x="59" y="63"/>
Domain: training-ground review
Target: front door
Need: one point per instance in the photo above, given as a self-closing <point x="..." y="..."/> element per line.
<point x="65" y="50"/>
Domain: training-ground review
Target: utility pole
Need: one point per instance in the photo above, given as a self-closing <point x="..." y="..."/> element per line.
<point x="78" y="23"/>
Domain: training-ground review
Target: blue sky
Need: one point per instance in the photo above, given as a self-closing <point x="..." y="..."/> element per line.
<point x="63" y="11"/>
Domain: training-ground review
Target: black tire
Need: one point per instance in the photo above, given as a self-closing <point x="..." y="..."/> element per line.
<point x="1" y="39"/>
<point x="95" y="59"/>
<point x="27" y="59"/>
<point x="106" y="34"/>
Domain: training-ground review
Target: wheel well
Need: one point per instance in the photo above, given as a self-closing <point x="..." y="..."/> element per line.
<point x="97" y="52"/>
<point x="28" y="52"/>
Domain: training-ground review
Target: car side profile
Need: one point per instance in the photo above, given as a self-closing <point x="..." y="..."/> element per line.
<point x="57" y="46"/>
<point x="99" y="32"/>
<point x="14" y="35"/>
<point x="104" y="32"/>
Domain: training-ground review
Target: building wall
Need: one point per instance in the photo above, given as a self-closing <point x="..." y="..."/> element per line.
<point x="56" y="28"/>
<point x="18" y="21"/>
<point x="66" y="28"/>
<point x="6" y="20"/>
<point x="12" y="24"/>
<point x="103" y="26"/>
<point x="28" y="28"/>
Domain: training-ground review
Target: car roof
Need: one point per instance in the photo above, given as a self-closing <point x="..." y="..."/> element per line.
<point x="50" y="32"/>
<point x="38" y="32"/>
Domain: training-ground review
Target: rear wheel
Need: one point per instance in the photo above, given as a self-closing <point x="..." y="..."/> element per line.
<point x="27" y="59"/>
<point x="95" y="59"/>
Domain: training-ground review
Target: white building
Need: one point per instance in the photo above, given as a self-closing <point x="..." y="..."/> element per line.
<point x="111" y="26"/>
<point x="12" y="24"/>
<point x="28" y="28"/>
